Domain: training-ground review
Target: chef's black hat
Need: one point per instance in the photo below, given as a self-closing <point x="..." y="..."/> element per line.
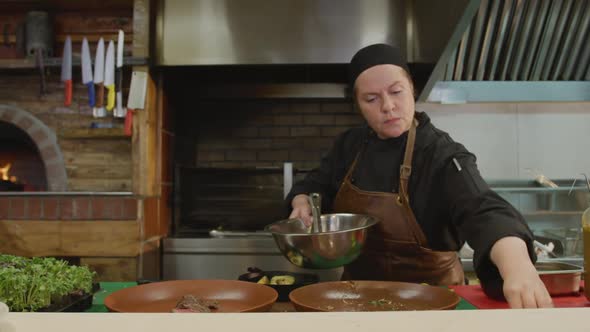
<point x="373" y="55"/>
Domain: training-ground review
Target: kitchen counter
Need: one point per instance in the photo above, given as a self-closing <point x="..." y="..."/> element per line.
<point x="538" y="320"/>
<point x="283" y="319"/>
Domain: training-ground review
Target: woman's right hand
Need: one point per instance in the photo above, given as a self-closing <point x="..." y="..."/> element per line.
<point x="301" y="209"/>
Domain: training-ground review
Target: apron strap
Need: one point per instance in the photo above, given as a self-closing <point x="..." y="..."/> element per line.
<point x="404" y="178"/>
<point x="351" y="168"/>
<point x="405" y="169"/>
<point x="405" y="172"/>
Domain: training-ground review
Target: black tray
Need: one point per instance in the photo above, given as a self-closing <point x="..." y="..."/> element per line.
<point x="73" y="303"/>
<point x="301" y="279"/>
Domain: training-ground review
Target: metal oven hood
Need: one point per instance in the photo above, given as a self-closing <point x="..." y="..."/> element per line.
<point x="481" y="50"/>
<point x="238" y="32"/>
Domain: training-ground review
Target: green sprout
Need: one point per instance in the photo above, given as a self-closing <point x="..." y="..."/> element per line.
<point x="29" y="284"/>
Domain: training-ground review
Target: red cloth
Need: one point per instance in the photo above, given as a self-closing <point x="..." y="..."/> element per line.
<point x="475" y="295"/>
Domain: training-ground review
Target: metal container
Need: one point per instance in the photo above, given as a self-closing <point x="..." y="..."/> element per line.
<point x="340" y="242"/>
<point x="38" y="30"/>
<point x="560" y="278"/>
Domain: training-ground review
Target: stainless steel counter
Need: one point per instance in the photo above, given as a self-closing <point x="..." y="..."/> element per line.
<point x="227" y="258"/>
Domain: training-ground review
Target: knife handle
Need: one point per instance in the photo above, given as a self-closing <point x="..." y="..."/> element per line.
<point x="119" y="112"/>
<point x="110" y="97"/>
<point x="99" y="95"/>
<point x="119" y="78"/>
<point x="90" y="86"/>
<point x="129" y="122"/>
<point x="67" y="92"/>
<point x="119" y="88"/>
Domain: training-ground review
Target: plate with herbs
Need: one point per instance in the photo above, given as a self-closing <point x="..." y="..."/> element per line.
<point x="365" y="295"/>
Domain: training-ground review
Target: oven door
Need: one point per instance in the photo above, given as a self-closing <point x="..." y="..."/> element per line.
<point x="227" y="200"/>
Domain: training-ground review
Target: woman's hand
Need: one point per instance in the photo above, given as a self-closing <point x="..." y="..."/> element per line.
<point x="301" y="209"/>
<point x="523" y="287"/>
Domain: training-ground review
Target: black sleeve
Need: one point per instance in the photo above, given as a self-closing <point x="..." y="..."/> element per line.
<point x="324" y="179"/>
<point x="481" y="217"/>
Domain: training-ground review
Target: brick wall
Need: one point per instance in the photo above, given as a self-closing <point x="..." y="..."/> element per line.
<point x="267" y="133"/>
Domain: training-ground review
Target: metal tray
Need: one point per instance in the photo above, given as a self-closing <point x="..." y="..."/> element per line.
<point x="73" y="303"/>
<point x="560" y="278"/>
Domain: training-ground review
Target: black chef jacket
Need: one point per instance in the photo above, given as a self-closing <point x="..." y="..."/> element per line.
<point x="451" y="205"/>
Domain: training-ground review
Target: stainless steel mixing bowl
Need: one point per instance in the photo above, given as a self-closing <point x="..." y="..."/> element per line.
<point x="339" y="241"/>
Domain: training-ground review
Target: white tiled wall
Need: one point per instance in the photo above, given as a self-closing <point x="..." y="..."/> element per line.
<point x="554" y="138"/>
<point x="509" y="138"/>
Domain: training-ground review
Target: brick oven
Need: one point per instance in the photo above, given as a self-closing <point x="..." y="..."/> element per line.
<point x="54" y="187"/>
<point x="68" y="187"/>
<point x="71" y="190"/>
<point x="30" y="151"/>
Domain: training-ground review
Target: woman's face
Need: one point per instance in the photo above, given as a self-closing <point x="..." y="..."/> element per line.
<point x="385" y="96"/>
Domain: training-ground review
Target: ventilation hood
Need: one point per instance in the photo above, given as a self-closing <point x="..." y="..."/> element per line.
<point x="515" y="50"/>
<point x="252" y="32"/>
<point x="481" y="50"/>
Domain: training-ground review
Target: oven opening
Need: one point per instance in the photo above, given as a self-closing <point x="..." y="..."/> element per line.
<point x="21" y="166"/>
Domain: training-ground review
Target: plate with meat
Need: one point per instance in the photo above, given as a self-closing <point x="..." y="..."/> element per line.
<point x="193" y="296"/>
<point x="364" y="295"/>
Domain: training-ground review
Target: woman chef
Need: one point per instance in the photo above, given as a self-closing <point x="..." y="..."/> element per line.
<point x="425" y="188"/>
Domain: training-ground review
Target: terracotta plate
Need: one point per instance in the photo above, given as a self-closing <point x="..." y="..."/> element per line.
<point x="231" y="296"/>
<point x="372" y="296"/>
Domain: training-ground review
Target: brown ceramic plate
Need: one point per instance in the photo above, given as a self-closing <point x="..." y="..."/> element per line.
<point x="372" y="296"/>
<point x="231" y="296"/>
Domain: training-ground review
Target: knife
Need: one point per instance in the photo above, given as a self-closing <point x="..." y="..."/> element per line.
<point x="66" y="71"/>
<point x="120" y="111"/>
<point x="109" y="75"/>
<point x="87" y="71"/>
<point x="99" y="110"/>
<point x="136" y="98"/>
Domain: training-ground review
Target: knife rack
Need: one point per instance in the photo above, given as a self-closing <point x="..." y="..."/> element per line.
<point x="56" y="62"/>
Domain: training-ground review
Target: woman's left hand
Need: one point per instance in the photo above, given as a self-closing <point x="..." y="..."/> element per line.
<point x="523" y="288"/>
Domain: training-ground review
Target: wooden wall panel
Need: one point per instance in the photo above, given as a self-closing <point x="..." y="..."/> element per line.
<point x="70" y="238"/>
<point x="112" y="268"/>
<point x="91" y="19"/>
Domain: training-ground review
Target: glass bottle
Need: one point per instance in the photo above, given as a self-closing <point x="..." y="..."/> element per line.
<point x="586" y="231"/>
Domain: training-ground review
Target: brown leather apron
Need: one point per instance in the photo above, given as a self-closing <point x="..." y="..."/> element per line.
<point x="396" y="247"/>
